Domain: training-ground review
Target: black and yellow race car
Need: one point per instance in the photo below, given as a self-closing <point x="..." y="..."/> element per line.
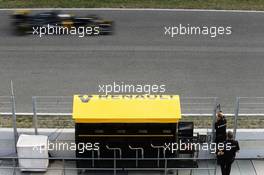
<point x="24" y="22"/>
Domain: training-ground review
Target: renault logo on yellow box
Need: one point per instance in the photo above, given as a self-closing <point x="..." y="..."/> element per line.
<point x="86" y="98"/>
<point x="126" y="108"/>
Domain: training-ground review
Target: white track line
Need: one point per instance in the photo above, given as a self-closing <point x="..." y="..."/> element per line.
<point x="184" y="115"/>
<point x="137" y="9"/>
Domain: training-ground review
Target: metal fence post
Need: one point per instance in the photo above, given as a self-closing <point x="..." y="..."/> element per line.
<point x="115" y="155"/>
<point x="213" y="120"/>
<point x="63" y="162"/>
<point x="236" y="116"/>
<point x="253" y="166"/>
<point x="14" y="166"/>
<point x="93" y="158"/>
<point x="14" y="121"/>
<point x="215" y="169"/>
<point x="114" y="162"/>
<point x="165" y="167"/>
<point x="14" y="114"/>
<point x="35" y="120"/>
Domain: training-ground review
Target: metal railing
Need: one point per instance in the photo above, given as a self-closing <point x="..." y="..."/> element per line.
<point x="191" y="106"/>
<point x="50" y="105"/>
<point x="198" y="106"/>
<point x="62" y="106"/>
<point x="7" y="104"/>
<point x="248" y="107"/>
<point x="14" y="164"/>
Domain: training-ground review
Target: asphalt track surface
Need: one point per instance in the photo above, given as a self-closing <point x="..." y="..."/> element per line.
<point x="138" y="53"/>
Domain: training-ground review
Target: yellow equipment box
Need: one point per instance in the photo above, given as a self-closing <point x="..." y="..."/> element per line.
<point x="126" y="108"/>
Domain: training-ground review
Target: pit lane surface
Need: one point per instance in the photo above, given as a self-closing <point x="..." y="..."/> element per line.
<point x="138" y="53"/>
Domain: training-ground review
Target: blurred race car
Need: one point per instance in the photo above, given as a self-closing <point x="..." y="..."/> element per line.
<point x="25" y="23"/>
